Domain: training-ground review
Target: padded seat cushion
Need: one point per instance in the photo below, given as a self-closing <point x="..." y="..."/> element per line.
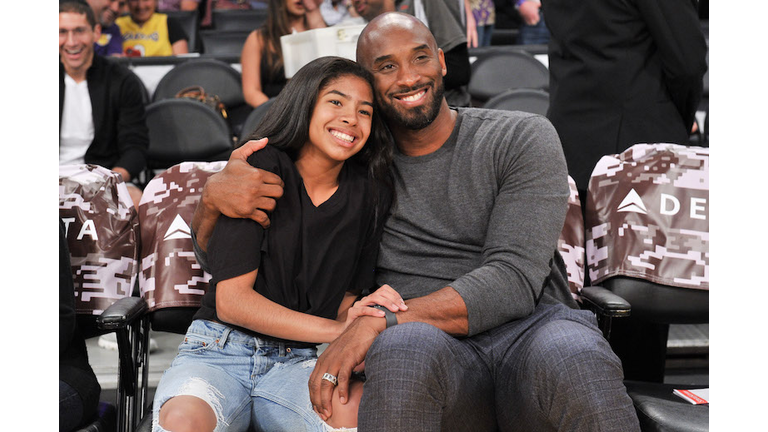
<point x="660" y="410"/>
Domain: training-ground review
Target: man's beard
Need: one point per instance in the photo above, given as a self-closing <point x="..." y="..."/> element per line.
<point x="416" y="118"/>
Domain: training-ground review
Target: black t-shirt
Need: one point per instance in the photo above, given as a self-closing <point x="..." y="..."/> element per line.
<point x="176" y="31"/>
<point x="310" y="256"/>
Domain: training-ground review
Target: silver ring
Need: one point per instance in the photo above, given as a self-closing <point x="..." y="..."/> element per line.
<point x="330" y="378"/>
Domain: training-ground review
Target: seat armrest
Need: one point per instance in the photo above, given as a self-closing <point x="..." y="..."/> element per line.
<point x="122" y="313"/>
<point x="604" y="302"/>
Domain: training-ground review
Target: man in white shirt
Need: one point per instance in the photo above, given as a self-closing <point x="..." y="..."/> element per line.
<point x="101" y="106"/>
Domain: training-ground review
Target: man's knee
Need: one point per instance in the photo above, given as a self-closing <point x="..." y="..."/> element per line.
<point x="416" y="351"/>
<point x="566" y="346"/>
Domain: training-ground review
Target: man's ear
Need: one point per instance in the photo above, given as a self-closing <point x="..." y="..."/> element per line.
<point x="441" y="57"/>
<point x="97" y="31"/>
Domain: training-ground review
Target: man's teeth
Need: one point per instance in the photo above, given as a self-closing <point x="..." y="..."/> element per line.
<point x="415" y="97"/>
<point x="342" y="136"/>
<point x="77" y="51"/>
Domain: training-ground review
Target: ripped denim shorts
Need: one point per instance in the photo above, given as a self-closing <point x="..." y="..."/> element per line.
<point x="246" y="380"/>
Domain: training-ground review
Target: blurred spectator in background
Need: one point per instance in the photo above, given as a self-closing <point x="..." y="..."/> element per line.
<point x="177" y="5"/>
<point x="339" y="11"/>
<point x="111" y="41"/>
<point x="484" y="12"/>
<point x="148" y="33"/>
<point x="101" y="105"/>
<point x="533" y="29"/>
<point x="263" y="72"/>
<point x="444" y="20"/>
<point x="620" y="74"/>
<point x="231" y="4"/>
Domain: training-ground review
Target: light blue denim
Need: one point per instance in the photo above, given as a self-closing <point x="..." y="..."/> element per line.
<point x="246" y="380"/>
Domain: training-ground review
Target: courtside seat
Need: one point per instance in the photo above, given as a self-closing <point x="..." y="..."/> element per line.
<point x="101" y="228"/>
<point x="571" y="242"/>
<point x="170" y="279"/>
<point x="647" y="236"/>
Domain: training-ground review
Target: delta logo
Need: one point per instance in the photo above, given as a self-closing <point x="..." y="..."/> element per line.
<point x="669" y="205"/>
<point x="178" y="230"/>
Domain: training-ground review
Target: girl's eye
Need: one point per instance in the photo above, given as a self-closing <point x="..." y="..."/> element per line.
<point x="366" y="113"/>
<point x="335" y="102"/>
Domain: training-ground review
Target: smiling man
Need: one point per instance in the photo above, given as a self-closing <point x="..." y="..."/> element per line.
<point x="101" y="109"/>
<point x="491" y="338"/>
<point x="445" y="22"/>
<point x="111" y="40"/>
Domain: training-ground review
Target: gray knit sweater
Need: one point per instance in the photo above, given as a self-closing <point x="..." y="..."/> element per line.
<point x="482" y="214"/>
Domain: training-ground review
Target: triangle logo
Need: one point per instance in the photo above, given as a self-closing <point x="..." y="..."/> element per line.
<point x="178" y="230"/>
<point x="632" y="203"/>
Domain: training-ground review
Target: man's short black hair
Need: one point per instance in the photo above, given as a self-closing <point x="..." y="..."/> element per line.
<point x="79" y="7"/>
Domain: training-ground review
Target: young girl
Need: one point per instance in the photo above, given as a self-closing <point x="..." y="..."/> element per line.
<point x="277" y="293"/>
<point x="263" y="74"/>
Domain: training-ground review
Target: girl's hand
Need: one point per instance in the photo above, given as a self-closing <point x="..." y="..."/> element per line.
<point x="384" y="296"/>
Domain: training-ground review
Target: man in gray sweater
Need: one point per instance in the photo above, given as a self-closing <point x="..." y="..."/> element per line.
<point x="492" y="338"/>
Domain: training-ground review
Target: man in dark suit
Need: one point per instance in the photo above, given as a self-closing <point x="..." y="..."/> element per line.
<point x="622" y="72"/>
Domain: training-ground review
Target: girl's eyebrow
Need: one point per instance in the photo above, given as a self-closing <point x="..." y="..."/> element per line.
<point x="346" y="96"/>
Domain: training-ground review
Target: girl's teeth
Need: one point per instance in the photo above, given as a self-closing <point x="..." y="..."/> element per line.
<point x="342" y="136"/>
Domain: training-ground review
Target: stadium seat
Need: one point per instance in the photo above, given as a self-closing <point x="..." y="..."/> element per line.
<point x="183" y="130"/>
<point x="648" y="242"/>
<point x="254" y="119"/>
<point x="215" y="77"/>
<point x="571" y="242"/>
<point x="224" y="42"/>
<point x="528" y="100"/>
<point x="171" y="281"/>
<point x="500" y="71"/>
<point x="189" y="22"/>
<point x="101" y="227"/>
<point x="236" y="19"/>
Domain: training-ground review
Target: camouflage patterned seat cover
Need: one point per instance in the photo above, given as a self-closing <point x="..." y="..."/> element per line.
<point x="170" y="275"/>
<point x="571" y="242"/>
<point x="102" y="233"/>
<point x="648" y="216"/>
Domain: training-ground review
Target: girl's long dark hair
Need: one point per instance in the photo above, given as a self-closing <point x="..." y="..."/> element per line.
<point x="286" y="122"/>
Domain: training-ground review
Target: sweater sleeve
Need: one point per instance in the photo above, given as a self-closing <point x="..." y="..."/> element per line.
<point x="132" y="132"/>
<point x="526" y="219"/>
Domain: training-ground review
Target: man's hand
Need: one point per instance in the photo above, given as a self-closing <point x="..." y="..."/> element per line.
<point x="339" y="359"/>
<point x="242" y="191"/>
<point x="237" y="191"/>
<point x="529" y="11"/>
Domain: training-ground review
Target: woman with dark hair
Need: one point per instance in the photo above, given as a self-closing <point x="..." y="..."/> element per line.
<point x="263" y="75"/>
<point x="276" y="294"/>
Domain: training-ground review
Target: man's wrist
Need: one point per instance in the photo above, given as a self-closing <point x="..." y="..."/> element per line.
<point x="209" y="207"/>
<point x="391" y="317"/>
